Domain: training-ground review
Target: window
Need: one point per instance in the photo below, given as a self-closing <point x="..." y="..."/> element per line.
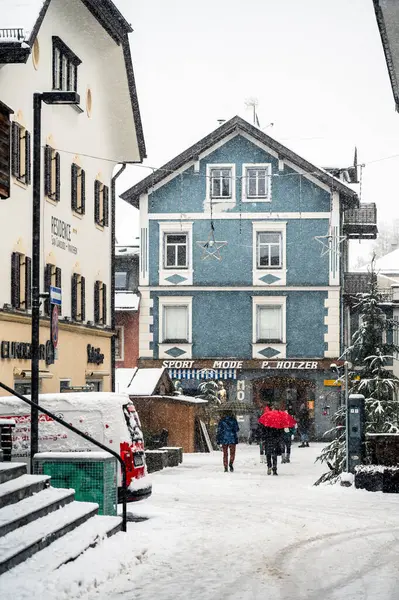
<point x="78" y="189"/>
<point x="65" y="67"/>
<point x="94" y="385"/>
<point x="175" y="324"/>
<point x="269" y="324"/>
<point x="65" y="385"/>
<point x="256" y="184"/>
<point x="21" y="281"/>
<point x="52" y="277"/>
<point x="175" y="253"/>
<point x="5" y="147"/>
<point x="269" y="249"/>
<point x="121" y="280"/>
<point x="78" y="298"/>
<point x="119" y="343"/>
<point x="21" y="153"/>
<point x="101" y="204"/>
<point x="52" y="179"/>
<point x="221" y="182"/>
<point x="100" y="303"/>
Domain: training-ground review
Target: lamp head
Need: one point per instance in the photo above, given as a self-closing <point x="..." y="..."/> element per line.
<point x="60" y="97"/>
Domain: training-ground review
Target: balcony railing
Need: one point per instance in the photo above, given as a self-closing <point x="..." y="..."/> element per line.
<point x="359" y="283"/>
<point x="12" y="34"/>
<point x="361" y="223"/>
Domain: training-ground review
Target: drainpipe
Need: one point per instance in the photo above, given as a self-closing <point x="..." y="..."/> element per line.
<point x="113" y="205"/>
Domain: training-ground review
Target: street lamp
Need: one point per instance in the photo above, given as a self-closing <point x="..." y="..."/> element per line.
<point x="57" y="97"/>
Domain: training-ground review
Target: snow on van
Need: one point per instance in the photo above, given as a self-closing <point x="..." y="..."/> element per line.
<point x="107" y="417"/>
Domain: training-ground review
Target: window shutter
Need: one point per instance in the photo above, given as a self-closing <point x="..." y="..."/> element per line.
<point x="83" y="298"/>
<point x="104" y="315"/>
<point x="28" y="283"/>
<point x="15" y="156"/>
<point x="5" y="154"/>
<point x="106" y="206"/>
<point x="15" y="280"/>
<point x="74" y="186"/>
<point x="58" y="283"/>
<point x="47" y="171"/>
<point x="83" y="191"/>
<point x="74" y="297"/>
<point x="57" y="177"/>
<point x="97" y="302"/>
<point x="27" y="158"/>
<point x="97" y="202"/>
<point x="47" y="283"/>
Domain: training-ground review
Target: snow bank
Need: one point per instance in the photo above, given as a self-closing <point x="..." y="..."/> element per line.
<point x="140" y="484"/>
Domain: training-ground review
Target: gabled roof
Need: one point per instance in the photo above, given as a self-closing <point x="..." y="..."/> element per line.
<point x="20" y="23"/>
<point x="235" y="124"/>
<point x="145" y="382"/>
<point x="387" y="14"/>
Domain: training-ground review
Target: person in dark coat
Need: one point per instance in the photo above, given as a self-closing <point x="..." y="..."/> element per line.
<point x="272" y="441"/>
<point x="227" y="438"/>
<point x="303" y="425"/>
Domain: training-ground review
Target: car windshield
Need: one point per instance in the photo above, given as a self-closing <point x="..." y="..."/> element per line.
<point x="133" y="422"/>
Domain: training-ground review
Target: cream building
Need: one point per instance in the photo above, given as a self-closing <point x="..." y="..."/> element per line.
<point x="82" y="46"/>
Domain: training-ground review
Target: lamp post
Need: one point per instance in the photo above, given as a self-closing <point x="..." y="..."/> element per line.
<point x="346" y="367"/>
<point x="58" y="97"/>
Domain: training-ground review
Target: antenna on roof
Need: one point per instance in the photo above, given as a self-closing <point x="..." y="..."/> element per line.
<point x="221" y="121"/>
<point x="253" y="103"/>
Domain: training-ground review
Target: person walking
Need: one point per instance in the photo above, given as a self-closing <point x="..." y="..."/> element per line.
<point x="271" y="438"/>
<point x="227" y="438"/>
<point x="303" y="425"/>
<point x="287" y="441"/>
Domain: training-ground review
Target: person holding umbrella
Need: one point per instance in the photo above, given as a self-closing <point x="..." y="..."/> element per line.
<point x="227" y="438"/>
<point x="272" y="424"/>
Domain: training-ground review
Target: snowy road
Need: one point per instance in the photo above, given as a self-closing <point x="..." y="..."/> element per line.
<point x="243" y="536"/>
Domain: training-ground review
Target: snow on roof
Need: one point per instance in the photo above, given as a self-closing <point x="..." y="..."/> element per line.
<point x="126" y="250"/>
<point x="123" y="378"/>
<point x="386" y="264"/>
<point x="145" y="381"/>
<point x="89" y="401"/>
<point x="19" y="14"/>
<point x="181" y="398"/>
<point x="126" y="301"/>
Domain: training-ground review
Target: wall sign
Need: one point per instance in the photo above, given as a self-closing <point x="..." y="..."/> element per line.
<point x="61" y="235"/>
<point x="306" y="365"/>
<point x="23" y="351"/>
<point x="94" y="355"/>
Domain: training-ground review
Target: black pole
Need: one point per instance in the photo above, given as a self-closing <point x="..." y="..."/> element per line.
<point x="34" y="442"/>
<point x="113" y="215"/>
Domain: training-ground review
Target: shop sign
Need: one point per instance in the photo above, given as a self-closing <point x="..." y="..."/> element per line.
<point x="94" y="355"/>
<point x="332" y="383"/>
<point x="244" y="364"/>
<point x="61" y="235"/>
<point x="23" y="351"/>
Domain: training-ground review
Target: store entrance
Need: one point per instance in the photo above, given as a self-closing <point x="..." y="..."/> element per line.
<point x="285" y="393"/>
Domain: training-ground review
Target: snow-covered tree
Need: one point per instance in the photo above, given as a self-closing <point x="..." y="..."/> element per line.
<point x="370" y="352"/>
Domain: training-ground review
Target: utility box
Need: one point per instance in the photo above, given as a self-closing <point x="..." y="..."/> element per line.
<point x="93" y="476"/>
<point x="355" y="430"/>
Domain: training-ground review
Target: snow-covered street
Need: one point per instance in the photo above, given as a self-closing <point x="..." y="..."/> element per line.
<point x="237" y="536"/>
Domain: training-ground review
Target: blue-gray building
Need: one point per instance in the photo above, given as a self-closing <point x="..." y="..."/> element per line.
<point x="244" y="246"/>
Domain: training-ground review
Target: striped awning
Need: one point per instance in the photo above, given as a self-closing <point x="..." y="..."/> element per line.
<point x="203" y="373"/>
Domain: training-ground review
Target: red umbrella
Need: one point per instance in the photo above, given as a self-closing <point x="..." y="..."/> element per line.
<point x="278" y="419"/>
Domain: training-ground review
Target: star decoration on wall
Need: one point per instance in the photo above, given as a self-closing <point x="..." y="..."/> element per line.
<point x="211" y="248"/>
<point x="330" y="242"/>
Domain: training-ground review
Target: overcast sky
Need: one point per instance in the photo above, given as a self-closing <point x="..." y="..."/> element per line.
<point x="316" y="67"/>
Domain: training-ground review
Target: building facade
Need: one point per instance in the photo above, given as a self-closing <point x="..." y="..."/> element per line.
<point x="63" y="45"/>
<point x="243" y="249"/>
<point x="127" y="306"/>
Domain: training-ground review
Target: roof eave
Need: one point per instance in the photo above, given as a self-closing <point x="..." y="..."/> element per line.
<point x="134" y="99"/>
<point x="132" y="196"/>
<point x="387" y="51"/>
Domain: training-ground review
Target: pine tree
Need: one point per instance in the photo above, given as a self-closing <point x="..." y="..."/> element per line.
<point x="369" y="353"/>
<point x="209" y="391"/>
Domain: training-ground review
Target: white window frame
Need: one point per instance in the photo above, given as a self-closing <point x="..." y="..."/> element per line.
<point x="244" y="184"/>
<point x="228" y="199"/>
<point x="177" y="227"/>
<point x="121" y="356"/>
<point x="164" y="241"/>
<point x="258" y="302"/>
<point x="274" y="267"/>
<point x="164" y="345"/>
<point x="280" y="273"/>
<point x="65" y="379"/>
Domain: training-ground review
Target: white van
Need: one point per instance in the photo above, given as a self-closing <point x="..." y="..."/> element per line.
<point x="107" y="417"/>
